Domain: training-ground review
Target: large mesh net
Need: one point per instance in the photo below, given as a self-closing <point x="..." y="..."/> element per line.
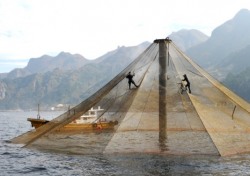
<point x="114" y="98"/>
<point x="158" y="116"/>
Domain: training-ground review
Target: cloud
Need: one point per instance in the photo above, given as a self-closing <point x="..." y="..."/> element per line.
<point x="31" y="28"/>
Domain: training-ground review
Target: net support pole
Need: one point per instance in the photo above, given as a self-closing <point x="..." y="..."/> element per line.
<point x="162" y="91"/>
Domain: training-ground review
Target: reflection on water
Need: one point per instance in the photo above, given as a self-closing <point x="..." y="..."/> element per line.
<point x="162" y="96"/>
<point x="31" y="161"/>
<point x="163" y="144"/>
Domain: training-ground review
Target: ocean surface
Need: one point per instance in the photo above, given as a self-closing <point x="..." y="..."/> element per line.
<point x="17" y="160"/>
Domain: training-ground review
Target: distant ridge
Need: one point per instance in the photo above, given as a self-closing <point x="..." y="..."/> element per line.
<point x="63" y="79"/>
<point x="186" y="39"/>
<point x="226" y="54"/>
<point x="231" y="36"/>
<point x="64" y="61"/>
<point x="69" y="78"/>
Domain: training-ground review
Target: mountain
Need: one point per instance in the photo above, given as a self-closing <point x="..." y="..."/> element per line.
<point x="63" y="60"/>
<point x="123" y="52"/>
<point x="62" y="85"/>
<point x="17" y="72"/>
<point x="45" y="63"/>
<point x="230" y="37"/>
<point x="236" y="62"/>
<point x="69" y="79"/>
<point x="67" y="61"/>
<point x="226" y="54"/>
<point x="239" y="83"/>
<point x="186" y="39"/>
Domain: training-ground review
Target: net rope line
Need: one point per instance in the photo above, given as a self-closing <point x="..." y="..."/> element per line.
<point x="149" y="94"/>
<point x="90" y="102"/>
<point x="112" y="103"/>
<point x="118" y="112"/>
<point x="235" y="98"/>
<point x="113" y="100"/>
<point x="181" y="64"/>
<point x="127" y="92"/>
<point x="122" y="97"/>
<point x="185" y="68"/>
<point x="148" y="64"/>
<point x="149" y="61"/>
<point x="172" y="68"/>
<point x="89" y="91"/>
<point x="84" y="106"/>
<point x="188" y="69"/>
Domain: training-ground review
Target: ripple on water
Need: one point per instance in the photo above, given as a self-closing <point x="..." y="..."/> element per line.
<point x="18" y="161"/>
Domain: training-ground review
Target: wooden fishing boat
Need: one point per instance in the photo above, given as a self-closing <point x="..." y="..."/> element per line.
<point x="89" y="121"/>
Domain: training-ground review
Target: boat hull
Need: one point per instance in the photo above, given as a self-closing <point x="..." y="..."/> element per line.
<point x="94" y="126"/>
<point x="76" y="126"/>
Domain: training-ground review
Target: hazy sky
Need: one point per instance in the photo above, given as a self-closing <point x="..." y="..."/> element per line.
<point x="32" y="28"/>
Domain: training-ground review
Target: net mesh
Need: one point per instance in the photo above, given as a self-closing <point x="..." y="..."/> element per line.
<point x="156" y="117"/>
<point x="114" y="98"/>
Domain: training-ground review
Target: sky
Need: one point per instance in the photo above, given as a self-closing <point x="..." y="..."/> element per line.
<point x="32" y="28"/>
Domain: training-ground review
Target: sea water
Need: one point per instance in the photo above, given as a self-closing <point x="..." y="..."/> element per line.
<point x="17" y="160"/>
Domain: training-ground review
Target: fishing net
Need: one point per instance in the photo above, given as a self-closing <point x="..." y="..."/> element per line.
<point x="225" y="115"/>
<point x="114" y="98"/>
<point x="156" y="116"/>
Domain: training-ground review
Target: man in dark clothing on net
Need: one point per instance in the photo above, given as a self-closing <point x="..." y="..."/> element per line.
<point x="188" y="83"/>
<point x="130" y="80"/>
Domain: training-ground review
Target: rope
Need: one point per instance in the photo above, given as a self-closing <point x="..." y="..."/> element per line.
<point x="149" y="67"/>
<point x="147" y="97"/>
<point x="153" y="48"/>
